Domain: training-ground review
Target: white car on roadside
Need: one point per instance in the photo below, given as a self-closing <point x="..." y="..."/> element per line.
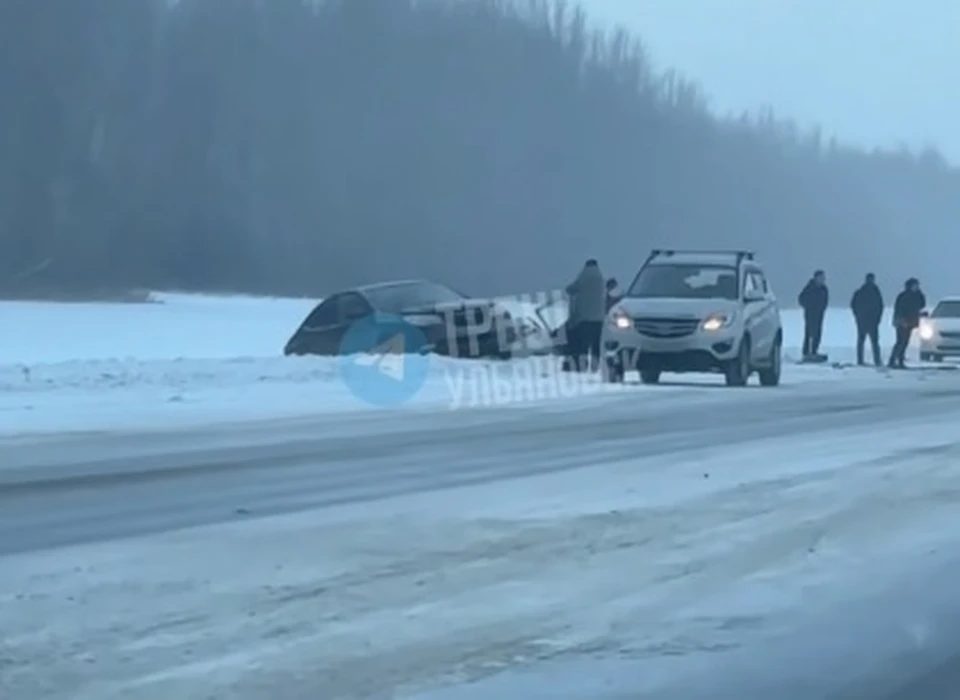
<point x="939" y="331"/>
<point x="696" y="311"/>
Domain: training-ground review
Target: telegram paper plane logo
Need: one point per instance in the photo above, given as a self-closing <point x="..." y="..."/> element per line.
<point x="387" y="358"/>
<point x="381" y="361"/>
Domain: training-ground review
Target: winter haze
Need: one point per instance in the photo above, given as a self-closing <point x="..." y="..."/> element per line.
<point x="297" y="147"/>
<point x="873" y="72"/>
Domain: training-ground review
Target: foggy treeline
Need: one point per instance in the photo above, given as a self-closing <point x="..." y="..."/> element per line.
<point x="290" y="146"/>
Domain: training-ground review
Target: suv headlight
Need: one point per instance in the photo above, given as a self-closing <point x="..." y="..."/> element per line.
<point x="620" y="319"/>
<point x="716" y="322"/>
<point x="926" y="330"/>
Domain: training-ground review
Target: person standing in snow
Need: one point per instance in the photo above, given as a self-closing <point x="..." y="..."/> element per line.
<point x="613" y="295"/>
<point x="867" y="307"/>
<point x="906" y="317"/>
<point x="588" y="308"/>
<point x="814" y="300"/>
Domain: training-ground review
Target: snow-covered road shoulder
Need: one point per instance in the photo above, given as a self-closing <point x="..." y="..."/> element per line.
<point x="194" y="360"/>
<point x="98" y="395"/>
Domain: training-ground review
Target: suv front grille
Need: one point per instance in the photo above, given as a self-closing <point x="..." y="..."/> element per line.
<point x="666" y="327"/>
<point x="950" y="334"/>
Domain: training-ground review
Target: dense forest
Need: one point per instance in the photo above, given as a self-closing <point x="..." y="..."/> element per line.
<point x="295" y="146"/>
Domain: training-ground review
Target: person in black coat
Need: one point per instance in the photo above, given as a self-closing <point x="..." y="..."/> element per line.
<point x="867" y="307"/>
<point x="906" y="317"/>
<point x="613" y="295"/>
<point x="814" y="300"/>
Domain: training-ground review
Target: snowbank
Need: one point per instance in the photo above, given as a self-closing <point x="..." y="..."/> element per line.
<point x="178" y="326"/>
<point x="185" y="326"/>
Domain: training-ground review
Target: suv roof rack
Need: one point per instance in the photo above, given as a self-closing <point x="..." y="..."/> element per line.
<point x="741" y="255"/>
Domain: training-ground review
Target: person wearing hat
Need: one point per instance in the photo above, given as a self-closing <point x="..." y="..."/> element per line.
<point x="906" y="317"/>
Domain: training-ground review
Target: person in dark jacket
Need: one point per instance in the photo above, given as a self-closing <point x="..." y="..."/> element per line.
<point x="588" y="308"/>
<point x="906" y="317"/>
<point x="867" y="307"/>
<point x="613" y="295"/>
<point x="814" y="300"/>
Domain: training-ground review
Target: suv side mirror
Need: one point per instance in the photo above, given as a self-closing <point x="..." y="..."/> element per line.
<point x="924" y="314"/>
<point x="753" y="295"/>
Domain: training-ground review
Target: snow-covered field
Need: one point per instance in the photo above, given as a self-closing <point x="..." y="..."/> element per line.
<point x="193" y="360"/>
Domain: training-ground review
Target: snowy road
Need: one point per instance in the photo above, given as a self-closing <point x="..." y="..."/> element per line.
<point x="60" y="492"/>
<point x="419" y="549"/>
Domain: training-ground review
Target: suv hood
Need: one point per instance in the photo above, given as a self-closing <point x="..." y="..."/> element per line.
<point x="678" y="308"/>
<point x="945" y="324"/>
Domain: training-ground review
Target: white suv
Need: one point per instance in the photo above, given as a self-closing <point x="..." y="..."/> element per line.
<point x="940" y="331"/>
<point x="696" y="311"/>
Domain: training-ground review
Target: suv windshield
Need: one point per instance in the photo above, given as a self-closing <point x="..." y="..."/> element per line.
<point x="686" y="282"/>
<point x="947" y="309"/>
<point x="394" y="299"/>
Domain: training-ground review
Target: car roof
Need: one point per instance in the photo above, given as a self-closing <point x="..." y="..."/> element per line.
<point x="387" y="285"/>
<point x="953" y="298"/>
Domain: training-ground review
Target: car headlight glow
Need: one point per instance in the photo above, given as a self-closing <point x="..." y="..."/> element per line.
<point x="620" y="319"/>
<point x="926" y="330"/>
<point x="716" y="322"/>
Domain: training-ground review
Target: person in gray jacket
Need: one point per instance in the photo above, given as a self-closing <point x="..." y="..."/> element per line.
<point x="588" y="308"/>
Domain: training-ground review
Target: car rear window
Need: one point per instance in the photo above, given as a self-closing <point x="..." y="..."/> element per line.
<point x="686" y="282"/>
<point x="395" y="299"/>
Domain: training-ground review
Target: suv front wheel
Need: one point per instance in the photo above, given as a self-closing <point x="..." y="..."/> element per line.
<point x="770" y="375"/>
<point x="738" y="371"/>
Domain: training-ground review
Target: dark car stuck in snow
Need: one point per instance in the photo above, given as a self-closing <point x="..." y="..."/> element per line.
<point x="447" y="322"/>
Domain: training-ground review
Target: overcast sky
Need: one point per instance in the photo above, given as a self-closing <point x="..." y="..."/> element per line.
<point x="873" y="72"/>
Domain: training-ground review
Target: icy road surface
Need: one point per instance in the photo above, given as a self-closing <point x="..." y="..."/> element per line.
<point x="367" y="557"/>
